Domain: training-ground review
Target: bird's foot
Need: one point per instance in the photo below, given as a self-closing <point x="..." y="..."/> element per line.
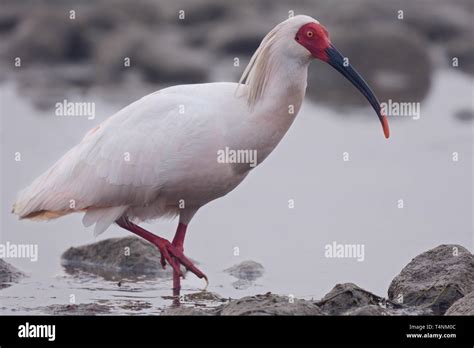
<point x="170" y="252"/>
<point x="175" y="257"/>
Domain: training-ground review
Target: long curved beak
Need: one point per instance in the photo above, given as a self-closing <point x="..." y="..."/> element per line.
<point x="336" y="60"/>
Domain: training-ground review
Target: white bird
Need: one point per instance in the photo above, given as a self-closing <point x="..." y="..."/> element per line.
<point x="159" y="155"/>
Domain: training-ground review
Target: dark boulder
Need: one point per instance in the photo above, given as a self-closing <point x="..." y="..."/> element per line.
<point x="9" y="274"/>
<point x="435" y="279"/>
<point x="117" y="258"/>
<point x="270" y="304"/>
<point x="346" y="297"/>
<point x="463" y="306"/>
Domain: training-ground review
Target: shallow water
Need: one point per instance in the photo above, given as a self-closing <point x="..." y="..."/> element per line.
<point x="347" y="202"/>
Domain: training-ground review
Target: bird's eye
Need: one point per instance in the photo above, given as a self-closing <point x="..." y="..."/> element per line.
<point x="309" y="34"/>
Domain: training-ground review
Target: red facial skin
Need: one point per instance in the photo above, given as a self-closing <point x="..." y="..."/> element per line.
<point x="315" y="38"/>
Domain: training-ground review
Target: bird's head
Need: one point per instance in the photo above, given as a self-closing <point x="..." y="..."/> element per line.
<point x="315" y="39"/>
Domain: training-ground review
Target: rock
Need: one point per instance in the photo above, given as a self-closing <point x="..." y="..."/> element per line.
<point x="435" y="279"/>
<point x="197" y="303"/>
<point x="463" y="306"/>
<point x="181" y="310"/>
<point x="246" y="270"/>
<point x="269" y="304"/>
<point x="242" y="284"/>
<point x="386" y="309"/>
<point x="136" y="306"/>
<point x="9" y="274"/>
<point x="109" y="258"/>
<point x="77" y="309"/>
<point x="368" y="310"/>
<point x="203" y="296"/>
<point x="347" y="296"/>
<point x="392" y="61"/>
<point x="465" y="115"/>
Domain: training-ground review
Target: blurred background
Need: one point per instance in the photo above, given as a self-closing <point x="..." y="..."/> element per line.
<point x="405" y="50"/>
<point x="395" y="51"/>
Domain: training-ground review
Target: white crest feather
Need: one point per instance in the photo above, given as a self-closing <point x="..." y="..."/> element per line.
<point x="259" y="69"/>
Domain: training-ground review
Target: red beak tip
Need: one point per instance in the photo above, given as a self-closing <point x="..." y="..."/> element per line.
<point x="386" y="129"/>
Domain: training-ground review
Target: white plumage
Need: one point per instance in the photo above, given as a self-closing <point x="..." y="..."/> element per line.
<point x="143" y="160"/>
<point x="158" y="156"/>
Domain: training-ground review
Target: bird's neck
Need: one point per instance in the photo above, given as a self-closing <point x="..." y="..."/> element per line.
<point x="285" y="90"/>
<point x="279" y="104"/>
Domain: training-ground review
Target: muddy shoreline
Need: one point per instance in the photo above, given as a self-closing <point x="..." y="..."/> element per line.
<point x="439" y="281"/>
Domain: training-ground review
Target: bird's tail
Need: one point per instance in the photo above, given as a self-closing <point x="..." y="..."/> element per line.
<point x="46" y="198"/>
<point x="30" y="207"/>
<point x="42" y="200"/>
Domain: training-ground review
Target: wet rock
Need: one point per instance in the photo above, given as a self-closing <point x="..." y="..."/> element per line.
<point x="464" y="115"/>
<point x="270" y="304"/>
<point x="463" y="306"/>
<point x="435" y="279"/>
<point x="181" y="310"/>
<point x="394" y="62"/>
<point x="347" y="296"/>
<point x="242" y="284"/>
<point x="368" y="310"/>
<point x="386" y="309"/>
<point x="136" y="306"/>
<point x="117" y="258"/>
<point x="203" y="296"/>
<point x="9" y="274"/>
<point x="77" y="309"/>
<point x="197" y="303"/>
<point x="246" y="270"/>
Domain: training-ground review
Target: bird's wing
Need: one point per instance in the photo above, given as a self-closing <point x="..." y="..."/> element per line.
<point x="125" y="160"/>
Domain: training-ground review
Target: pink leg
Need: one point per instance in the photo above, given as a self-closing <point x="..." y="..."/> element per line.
<point x="171" y="253"/>
<point x="178" y="242"/>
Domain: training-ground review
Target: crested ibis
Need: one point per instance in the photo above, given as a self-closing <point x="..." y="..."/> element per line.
<point x="173" y="138"/>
